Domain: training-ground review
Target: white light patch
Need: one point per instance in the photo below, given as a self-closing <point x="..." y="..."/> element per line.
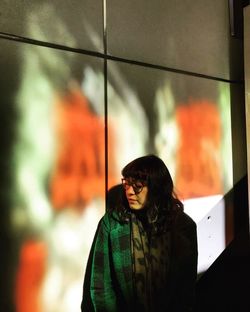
<point x="209" y="214"/>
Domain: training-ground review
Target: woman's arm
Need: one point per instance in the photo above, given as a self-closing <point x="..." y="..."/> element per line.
<point x="86" y="304"/>
<point x="187" y="255"/>
<point x="99" y="294"/>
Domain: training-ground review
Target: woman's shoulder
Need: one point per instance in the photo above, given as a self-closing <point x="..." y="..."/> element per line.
<point x="110" y="220"/>
<point x="183" y="220"/>
<point x="185" y="235"/>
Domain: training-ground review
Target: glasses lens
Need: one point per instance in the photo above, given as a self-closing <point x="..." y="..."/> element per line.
<point x="137" y="185"/>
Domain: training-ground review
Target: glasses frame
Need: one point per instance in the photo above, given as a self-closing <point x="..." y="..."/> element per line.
<point x="137" y="190"/>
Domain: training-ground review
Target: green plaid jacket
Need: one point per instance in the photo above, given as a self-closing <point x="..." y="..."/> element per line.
<point x="109" y="268"/>
<point x="108" y="283"/>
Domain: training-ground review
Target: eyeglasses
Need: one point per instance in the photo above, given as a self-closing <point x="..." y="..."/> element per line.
<point x="136" y="185"/>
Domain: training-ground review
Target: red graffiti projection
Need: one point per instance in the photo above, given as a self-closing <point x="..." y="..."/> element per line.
<point x="78" y="176"/>
<point x="79" y="173"/>
<point x="32" y="267"/>
<point x="198" y="157"/>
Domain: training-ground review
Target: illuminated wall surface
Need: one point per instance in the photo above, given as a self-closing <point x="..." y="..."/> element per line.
<point x="53" y="130"/>
<point x="186" y="121"/>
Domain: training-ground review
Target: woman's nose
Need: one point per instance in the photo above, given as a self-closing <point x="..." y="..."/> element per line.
<point x="130" y="190"/>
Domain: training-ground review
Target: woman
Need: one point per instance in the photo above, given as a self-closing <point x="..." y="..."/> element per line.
<point x="144" y="254"/>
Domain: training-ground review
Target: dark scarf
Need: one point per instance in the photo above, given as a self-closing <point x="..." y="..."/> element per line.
<point x="151" y="256"/>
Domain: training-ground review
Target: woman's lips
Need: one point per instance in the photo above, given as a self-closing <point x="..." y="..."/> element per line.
<point x="132" y="200"/>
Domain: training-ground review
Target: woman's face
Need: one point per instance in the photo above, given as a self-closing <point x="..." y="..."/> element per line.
<point x="136" y="193"/>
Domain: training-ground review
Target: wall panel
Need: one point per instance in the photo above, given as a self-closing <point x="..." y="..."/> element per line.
<point x="76" y="24"/>
<point x="176" y="34"/>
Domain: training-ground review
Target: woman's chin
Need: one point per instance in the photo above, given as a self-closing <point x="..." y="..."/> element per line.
<point x="135" y="206"/>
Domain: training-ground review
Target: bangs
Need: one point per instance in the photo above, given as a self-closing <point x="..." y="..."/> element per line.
<point x="147" y="168"/>
<point x="134" y="173"/>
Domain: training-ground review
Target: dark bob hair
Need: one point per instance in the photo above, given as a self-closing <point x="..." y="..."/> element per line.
<point x="162" y="204"/>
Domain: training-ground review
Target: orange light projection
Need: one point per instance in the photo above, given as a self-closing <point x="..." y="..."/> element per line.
<point x="30" y="275"/>
<point x="198" y="157"/>
<point x="77" y="178"/>
<point x="79" y="173"/>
